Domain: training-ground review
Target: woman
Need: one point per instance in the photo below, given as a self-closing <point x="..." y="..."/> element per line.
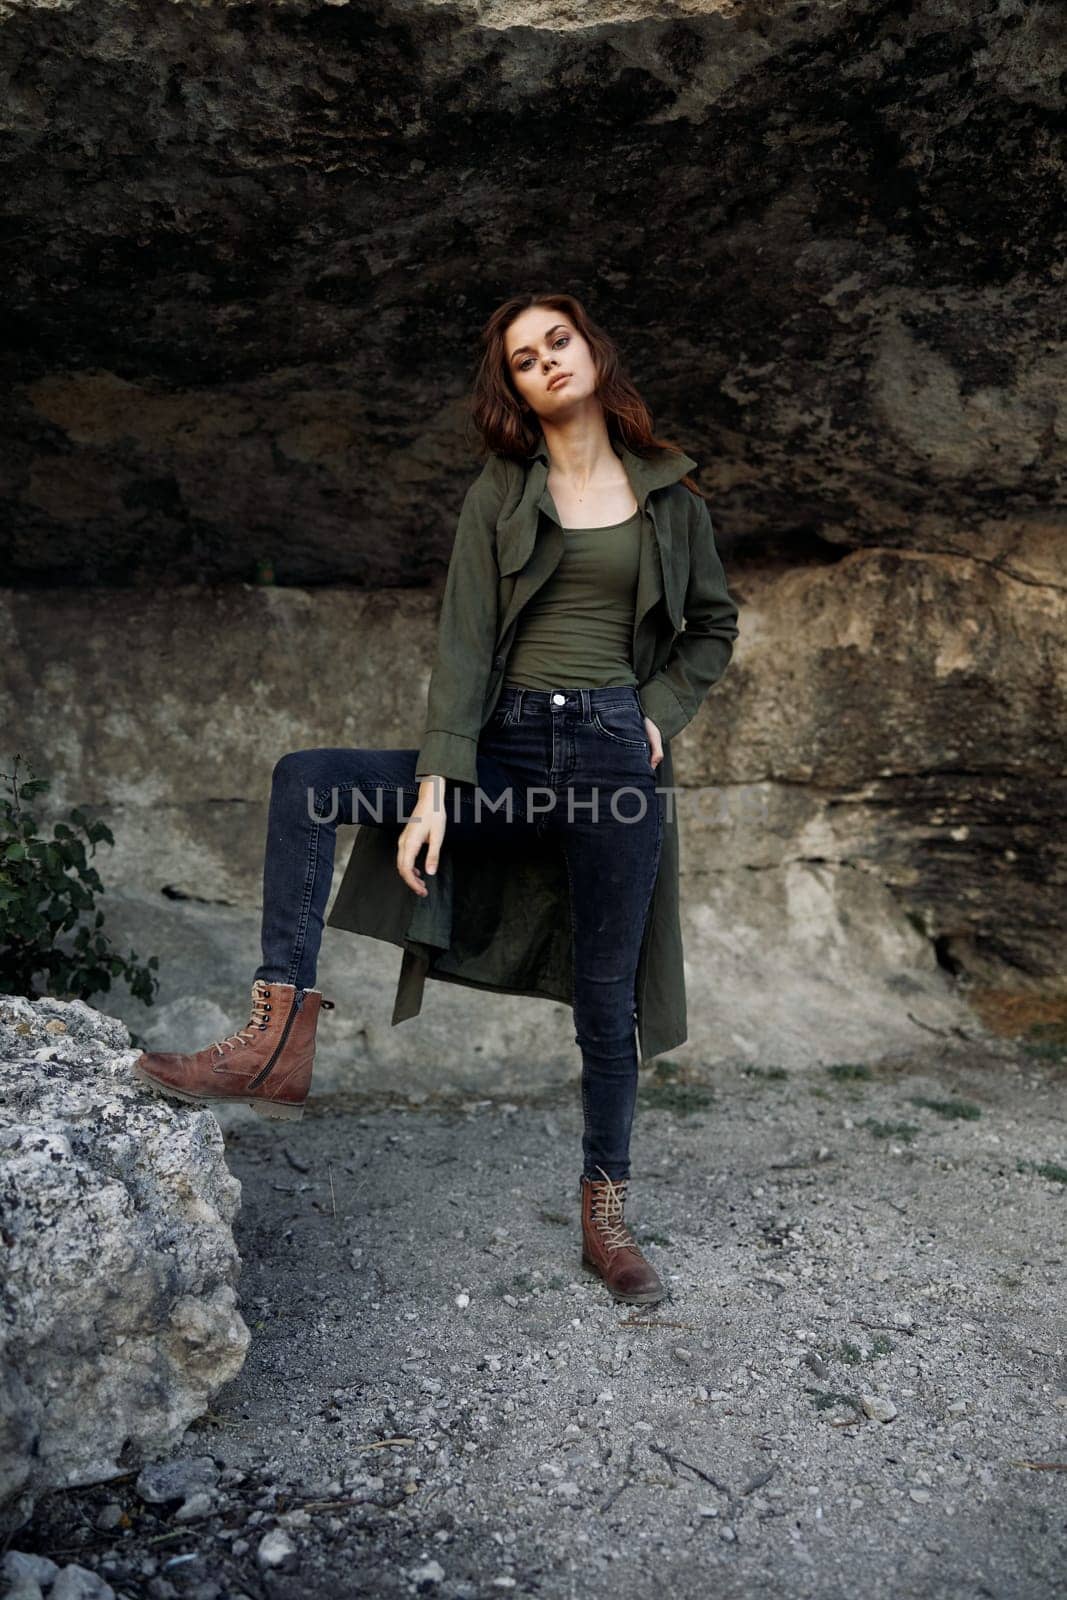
<point x="541" y="737"/>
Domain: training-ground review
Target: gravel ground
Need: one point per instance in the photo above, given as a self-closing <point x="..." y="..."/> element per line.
<point x="858" y="1381"/>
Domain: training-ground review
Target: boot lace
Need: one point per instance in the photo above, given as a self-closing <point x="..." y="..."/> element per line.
<point x="609" y="1198"/>
<point x="256" y="1022"/>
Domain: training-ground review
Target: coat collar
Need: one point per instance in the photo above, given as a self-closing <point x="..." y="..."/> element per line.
<point x="644" y="473"/>
<point x="519" y="523"/>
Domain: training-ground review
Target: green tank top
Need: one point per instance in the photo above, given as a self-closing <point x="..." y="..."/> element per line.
<point x="577" y="630"/>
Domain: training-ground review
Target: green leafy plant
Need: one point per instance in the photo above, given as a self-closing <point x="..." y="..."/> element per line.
<point x="681" y="1098"/>
<point x="46" y="886"/>
<point x="959" y="1109"/>
<point x="849" y="1069"/>
<point x="668" y="1087"/>
<point x="827" y="1399"/>
<point x="904" y="1131"/>
<point x="1052" y="1170"/>
<point x="1046" y="1041"/>
<point x="853" y="1354"/>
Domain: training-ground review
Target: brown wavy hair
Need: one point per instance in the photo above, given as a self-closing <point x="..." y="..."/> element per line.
<point x="508" y="427"/>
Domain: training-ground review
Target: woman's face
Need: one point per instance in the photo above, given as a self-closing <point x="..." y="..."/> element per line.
<point x="543" y="344"/>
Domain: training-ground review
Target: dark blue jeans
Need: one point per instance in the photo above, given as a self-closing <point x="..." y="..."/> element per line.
<point x="586" y="754"/>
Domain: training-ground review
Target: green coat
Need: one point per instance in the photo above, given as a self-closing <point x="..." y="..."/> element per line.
<point x="496" y="916"/>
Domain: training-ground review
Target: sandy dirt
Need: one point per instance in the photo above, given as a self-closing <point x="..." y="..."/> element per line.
<point x="857" y="1384"/>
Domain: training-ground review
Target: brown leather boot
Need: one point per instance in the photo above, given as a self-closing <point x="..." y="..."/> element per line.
<point x="267" y="1063"/>
<point x="609" y="1248"/>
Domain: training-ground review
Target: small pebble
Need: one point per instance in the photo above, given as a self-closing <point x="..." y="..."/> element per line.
<point x="298" y="1518"/>
<point x="22" y="1564"/>
<point x="74" y="1582"/>
<point x="162" y="1481"/>
<point x="274" y="1548"/>
<point x="198" y="1505"/>
<point x="24" y="1588"/>
<point x="429" y="1572"/>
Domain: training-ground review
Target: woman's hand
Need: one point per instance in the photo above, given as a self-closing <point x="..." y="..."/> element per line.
<point x="654" y="739"/>
<point x="426" y="827"/>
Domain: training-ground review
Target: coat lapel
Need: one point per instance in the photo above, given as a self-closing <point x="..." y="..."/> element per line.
<point x="530" y="540"/>
<point x="516" y="529"/>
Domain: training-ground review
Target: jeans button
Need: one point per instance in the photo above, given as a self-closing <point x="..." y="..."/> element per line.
<point x="558" y="699"/>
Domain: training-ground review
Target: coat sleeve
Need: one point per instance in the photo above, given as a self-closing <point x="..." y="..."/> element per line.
<point x="466" y="635"/>
<point x="701" y="652"/>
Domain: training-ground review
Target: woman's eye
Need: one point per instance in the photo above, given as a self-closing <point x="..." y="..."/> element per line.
<point x="564" y="338"/>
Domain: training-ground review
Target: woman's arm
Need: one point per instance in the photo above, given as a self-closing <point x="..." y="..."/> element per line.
<point x="672" y="696"/>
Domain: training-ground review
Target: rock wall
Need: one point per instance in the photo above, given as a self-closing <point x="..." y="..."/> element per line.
<point x="857" y="864"/>
<point x="248" y="249"/>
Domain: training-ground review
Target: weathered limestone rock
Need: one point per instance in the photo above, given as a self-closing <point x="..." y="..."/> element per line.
<point x="118" y="1318"/>
<point x="249" y="251"/>
<point x="877" y="776"/>
<point x="251" y="247"/>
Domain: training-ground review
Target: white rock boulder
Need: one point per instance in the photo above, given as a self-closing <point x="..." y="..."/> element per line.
<point x="118" y="1267"/>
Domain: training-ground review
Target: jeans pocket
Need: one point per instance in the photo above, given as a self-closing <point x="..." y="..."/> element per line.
<point x="622" y="724"/>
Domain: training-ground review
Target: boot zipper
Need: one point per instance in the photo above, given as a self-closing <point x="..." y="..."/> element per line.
<point x="262" y="1073"/>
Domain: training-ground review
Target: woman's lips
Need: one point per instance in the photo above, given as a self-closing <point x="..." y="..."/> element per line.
<point x="562" y="378"/>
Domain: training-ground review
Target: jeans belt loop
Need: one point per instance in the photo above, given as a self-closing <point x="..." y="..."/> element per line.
<point x="586" y="710"/>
